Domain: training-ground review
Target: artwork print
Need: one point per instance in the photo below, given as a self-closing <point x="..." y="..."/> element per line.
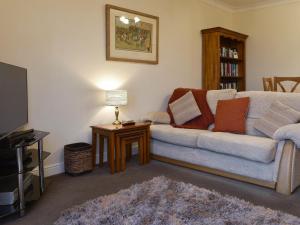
<point x="133" y="35"/>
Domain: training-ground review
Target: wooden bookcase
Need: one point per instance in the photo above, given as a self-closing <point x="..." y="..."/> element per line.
<point x="220" y="69"/>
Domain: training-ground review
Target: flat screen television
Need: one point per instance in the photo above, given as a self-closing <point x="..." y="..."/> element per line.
<point x="13" y="98"/>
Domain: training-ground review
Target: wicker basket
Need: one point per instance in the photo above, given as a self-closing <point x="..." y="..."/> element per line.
<point x="78" y="158"/>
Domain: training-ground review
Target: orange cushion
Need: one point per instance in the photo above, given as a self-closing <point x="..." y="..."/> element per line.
<point x="200" y="122"/>
<point x="231" y="115"/>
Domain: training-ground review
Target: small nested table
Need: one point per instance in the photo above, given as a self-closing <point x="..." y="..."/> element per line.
<point x="119" y="145"/>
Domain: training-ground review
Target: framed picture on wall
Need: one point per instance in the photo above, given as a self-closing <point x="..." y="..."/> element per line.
<point x="131" y="36"/>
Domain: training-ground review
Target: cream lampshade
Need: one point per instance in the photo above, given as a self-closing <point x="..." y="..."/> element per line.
<point x="116" y="98"/>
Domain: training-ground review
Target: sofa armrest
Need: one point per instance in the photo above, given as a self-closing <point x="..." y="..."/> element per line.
<point x="289" y="132"/>
<point x="288" y="176"/>
<point x="158" y="117"/>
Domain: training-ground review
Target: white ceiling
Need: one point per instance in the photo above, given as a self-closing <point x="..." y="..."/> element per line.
<point x="247" y="4"/>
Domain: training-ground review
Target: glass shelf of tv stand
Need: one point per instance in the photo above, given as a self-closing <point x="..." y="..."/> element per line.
<point x="32" y="194"/>
<point x="29" y="165"/>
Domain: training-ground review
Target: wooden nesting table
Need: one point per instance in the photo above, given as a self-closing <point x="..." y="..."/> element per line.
<point x="119" y="144"/>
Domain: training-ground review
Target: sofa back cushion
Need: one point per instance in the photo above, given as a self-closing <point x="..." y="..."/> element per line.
<point x="213" y="96"/>
<point x="260" y="102"/>
<point x="200" y="122"/>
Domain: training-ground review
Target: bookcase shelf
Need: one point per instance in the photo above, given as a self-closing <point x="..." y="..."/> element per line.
<point x="223" y="59"/>
<point x="233" y="78"/>
<point x="228" y="59"/>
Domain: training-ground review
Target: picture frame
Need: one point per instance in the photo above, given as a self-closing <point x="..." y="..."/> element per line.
<point x="131" y="36"/>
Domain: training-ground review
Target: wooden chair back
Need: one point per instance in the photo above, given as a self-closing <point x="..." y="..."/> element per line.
<point x="268" y="84"/>
<point x="278" y="82"/>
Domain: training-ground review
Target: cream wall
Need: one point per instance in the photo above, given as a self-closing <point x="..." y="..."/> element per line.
<point x="273" y="47"/>
<point x="62" y="44"/>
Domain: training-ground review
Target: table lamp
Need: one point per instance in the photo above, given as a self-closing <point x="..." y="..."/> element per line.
<point x="116" y="98"/>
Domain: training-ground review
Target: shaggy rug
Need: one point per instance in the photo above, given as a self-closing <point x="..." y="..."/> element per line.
<point x="167" y="202"/>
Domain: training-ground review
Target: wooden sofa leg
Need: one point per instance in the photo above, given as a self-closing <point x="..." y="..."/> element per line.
<point x="284" y="182"/>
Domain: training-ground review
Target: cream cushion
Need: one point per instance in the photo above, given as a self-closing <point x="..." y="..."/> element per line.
<point x="278" y="116"/>
<point x="185" y="108"/>
<point x="250" y="130"/>
<point x="253" y="148"/>
<point x="213" y="96"/>
<point x="289" y="132"/>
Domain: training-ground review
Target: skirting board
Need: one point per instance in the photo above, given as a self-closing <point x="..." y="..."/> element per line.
<point x="51" y="170"/>
<point x="58" y="168"/>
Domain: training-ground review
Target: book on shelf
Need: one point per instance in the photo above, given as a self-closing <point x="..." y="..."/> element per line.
<point x="229" y="85"/>
<point x="229" y="53"/>
<point x="229" y="69"/>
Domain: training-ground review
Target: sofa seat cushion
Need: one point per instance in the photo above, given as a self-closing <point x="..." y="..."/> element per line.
<point x="253" y="148"/>
<point x="177" y="136"/>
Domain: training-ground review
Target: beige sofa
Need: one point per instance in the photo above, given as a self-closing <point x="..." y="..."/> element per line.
<point x="252" y="158"/>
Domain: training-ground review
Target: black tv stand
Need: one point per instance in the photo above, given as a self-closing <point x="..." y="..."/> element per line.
<point x="38" y="155"/>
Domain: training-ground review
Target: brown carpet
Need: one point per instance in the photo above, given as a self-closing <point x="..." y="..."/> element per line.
<point x="64" y="191"/>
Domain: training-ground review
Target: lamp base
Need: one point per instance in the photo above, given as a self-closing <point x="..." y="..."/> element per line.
<point x="117" y="122"/>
